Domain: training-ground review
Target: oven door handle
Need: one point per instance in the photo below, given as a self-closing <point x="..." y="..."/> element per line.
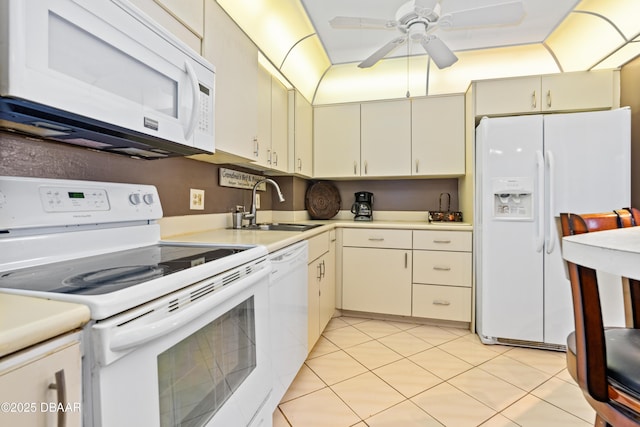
<point x="128" y="337"/>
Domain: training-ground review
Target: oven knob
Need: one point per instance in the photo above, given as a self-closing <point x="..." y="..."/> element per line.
<point x="134" y="198"/>
<point x="148" y="198"/>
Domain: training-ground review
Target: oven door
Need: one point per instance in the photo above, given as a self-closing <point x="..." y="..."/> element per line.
<point x="198" y="357"/>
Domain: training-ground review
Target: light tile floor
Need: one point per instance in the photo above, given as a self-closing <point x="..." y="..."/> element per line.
<point x="377" y="373"/>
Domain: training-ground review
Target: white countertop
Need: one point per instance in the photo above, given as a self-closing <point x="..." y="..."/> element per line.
<point x="613" y="251"/>
<point x="25" y="321"/>
<point x="274" y="240"/>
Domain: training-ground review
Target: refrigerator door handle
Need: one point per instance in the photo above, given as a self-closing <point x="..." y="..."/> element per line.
<point x="549" y="240"/>
<point x="540" y="216"/>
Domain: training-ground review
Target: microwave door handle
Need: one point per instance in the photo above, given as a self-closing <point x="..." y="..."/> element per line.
<point x="195" y="104"/>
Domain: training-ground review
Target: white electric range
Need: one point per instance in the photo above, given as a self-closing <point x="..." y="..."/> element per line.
<point x="178" y="332"/>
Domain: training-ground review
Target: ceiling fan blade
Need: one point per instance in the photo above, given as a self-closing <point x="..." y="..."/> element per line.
<point x="347" y="22"/>
<point x="438" y="51"/>
<point x="382" y="52"/>
<point x="425" y="7"/>
<point x="496" y="14"/>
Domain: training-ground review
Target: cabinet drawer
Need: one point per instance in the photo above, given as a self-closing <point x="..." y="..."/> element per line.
<point x="372" y="238"/>
<point x="442" y="268"/>
<point x="442" y="240"/>
<point x="442" y="302"/>
<point x="318" y="245"/>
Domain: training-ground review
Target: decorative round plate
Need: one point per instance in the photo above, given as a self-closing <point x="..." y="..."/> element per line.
<point x="322" y="200"/>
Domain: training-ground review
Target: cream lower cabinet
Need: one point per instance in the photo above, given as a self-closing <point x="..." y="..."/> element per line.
<point x="42" y="386"/>
<point x="376" y="271"/>
<point x="442" y="275"/>
<point x="322" y="284"/>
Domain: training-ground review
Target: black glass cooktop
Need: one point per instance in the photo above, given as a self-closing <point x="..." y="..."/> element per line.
<point x="111" y="272"/>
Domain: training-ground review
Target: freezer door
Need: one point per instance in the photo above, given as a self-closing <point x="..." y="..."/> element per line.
<point x="587" y="163"/>
<point x="509" y="252"/>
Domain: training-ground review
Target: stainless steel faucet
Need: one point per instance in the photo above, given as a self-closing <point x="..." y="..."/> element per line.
<point x="252" y="215"/>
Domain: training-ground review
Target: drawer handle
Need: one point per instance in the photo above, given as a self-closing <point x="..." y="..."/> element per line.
<point x="441" y="302"/>
<point x="61" y="391"/>
<point x="441" y="241"/>
<point x="441" y="268"/>
<point x="376" y="239"/>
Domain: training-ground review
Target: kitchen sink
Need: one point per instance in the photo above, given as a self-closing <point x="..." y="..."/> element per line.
<point x="280" y="226"/>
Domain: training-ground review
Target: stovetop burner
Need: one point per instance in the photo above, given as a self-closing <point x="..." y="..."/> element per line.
<point x="114" y="271"/>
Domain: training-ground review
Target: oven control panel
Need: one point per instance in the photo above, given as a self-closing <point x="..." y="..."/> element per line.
<point x="40" y="202"/>
<point x="61" y="199"/>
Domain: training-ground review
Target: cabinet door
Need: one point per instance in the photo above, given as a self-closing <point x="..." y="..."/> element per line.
<point x="437" y="136"/>
<point x="183" y="21"/>
<point x="336" y="141"/>
<point x="577" y="91"/>
<point x="507" y="96"/>
<point x="189" y="12"/>
<point x="279" y="126"/>
<point x="303" y="136"/>
<point x="328" y="286"/>
<point x="29" y="385"/>
<point x="386" y="138"/>
<point x="376" y="280"/>
<point x="442" y="302"/>
<point x="262" y="154"/>
<point x="313" y="295"/>
<point x="236" y="94"/>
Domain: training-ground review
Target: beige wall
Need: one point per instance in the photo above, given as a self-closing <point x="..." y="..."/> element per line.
<point x="630" y="96"/>
<point x="20" y="156"/>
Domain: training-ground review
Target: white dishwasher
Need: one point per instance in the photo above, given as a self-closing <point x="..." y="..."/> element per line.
<point x="288" y="307"/>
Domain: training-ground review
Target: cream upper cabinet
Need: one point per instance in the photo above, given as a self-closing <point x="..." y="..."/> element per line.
<point x="271" y="146"/>
<point x="184" y="19"/>
<point x="279" y="126"/>
<point x="589" y="90"/>
<point x="437" y="136"/>
<point x="386" y="138"/>
<point x="262" y="153"/>
<point x="188" y="12"/>
<point x="236" y="93"/>
<point x="578" y="91"/>
<point x="302" y="136"/>
<point x="336" y="141"/>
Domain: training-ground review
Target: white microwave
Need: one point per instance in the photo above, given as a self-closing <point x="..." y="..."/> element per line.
<point x="103" y="75"/>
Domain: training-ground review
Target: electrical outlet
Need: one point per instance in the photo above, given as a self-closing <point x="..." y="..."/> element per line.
<point x="196" y="199"/>
<point x="257" y="201"/>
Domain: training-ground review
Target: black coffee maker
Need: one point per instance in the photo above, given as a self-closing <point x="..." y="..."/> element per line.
<point x="363" y="206"/>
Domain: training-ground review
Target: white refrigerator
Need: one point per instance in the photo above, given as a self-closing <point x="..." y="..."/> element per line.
<point x="528" y="170"/>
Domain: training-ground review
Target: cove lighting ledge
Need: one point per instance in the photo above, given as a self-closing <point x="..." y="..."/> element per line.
<point x="388" y="78"/>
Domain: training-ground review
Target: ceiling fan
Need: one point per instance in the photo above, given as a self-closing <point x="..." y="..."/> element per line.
<point x="419" y="19"/>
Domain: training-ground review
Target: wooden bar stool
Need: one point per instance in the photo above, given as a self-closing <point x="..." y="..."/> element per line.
<point x="605" y="362"/>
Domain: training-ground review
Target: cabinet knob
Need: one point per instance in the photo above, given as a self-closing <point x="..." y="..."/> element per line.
<point x="549" y="98"/>
<point x="534" y="101"/>
<point x="441" y="268"/>
<point x="441" y="302"/>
